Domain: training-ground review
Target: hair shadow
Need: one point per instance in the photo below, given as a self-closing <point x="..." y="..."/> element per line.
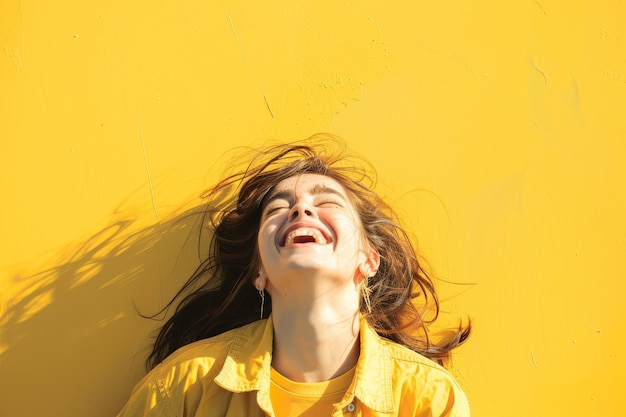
<point x="72" y="328"/>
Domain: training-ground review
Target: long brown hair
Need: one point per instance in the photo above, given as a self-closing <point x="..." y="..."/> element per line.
<point x="219" y="296"/>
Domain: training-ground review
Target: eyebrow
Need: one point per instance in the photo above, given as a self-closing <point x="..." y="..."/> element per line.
<point x="317" y="189"/>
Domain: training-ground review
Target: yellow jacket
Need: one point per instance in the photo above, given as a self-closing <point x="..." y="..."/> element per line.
<point x="229" y="375"/>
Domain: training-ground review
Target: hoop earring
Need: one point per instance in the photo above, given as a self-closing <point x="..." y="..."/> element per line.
<point x="262" y="294"/>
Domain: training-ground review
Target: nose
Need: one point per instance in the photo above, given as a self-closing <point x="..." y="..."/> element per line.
<point x="301" y="209"/>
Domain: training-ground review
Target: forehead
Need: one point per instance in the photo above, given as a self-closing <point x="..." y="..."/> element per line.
<point x="309" y="183"/>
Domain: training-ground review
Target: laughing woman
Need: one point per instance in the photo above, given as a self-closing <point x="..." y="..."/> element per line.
<point x="311" y="303"/>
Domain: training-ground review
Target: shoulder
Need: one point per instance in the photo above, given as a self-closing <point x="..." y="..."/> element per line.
<point x="187" y="375"/>
<point x="427" y="383"/>
<point x="202" y="350"/>
<point x="421" y="384"/>
<point x="417" y="364"/>
<point x="205" y="355"/>
<point x="200" y="355"/>
<point x="404" y="364"/>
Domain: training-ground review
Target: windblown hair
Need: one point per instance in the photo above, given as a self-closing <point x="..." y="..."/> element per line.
<point x="219" y="296"/>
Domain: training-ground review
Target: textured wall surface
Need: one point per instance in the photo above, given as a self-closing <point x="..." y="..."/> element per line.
<point x="497" y="129"/>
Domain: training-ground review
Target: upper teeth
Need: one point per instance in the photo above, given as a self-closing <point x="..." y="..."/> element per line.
<point x="305" y="231"/>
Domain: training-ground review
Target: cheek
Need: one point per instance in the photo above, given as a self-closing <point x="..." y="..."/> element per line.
<point x="266" y="237"/>
<point x="348" y="226"/>
<point x="356" y="235"/>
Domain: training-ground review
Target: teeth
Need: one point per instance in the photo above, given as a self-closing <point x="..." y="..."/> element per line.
<point x="304" y="231"/>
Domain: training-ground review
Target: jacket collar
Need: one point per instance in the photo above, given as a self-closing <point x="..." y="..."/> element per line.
<point x="372" y="383"/>
<point x="247" y="367"/>
<point x="249" y="358"/>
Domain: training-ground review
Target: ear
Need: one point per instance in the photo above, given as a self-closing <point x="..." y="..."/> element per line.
<point x="374" y="260"/>
<point x="261" y="280"/>
<point x="371" y="264"/>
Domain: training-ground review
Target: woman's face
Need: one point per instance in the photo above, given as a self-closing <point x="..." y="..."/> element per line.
<point x="309" y="231"/>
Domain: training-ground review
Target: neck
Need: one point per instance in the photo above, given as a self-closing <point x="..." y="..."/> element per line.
<point x="316" y="343"/>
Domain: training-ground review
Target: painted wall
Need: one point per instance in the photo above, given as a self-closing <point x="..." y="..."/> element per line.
<point x="497" y="130"/>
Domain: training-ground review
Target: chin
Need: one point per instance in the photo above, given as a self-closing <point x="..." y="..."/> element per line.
<point x="307" y="264"/>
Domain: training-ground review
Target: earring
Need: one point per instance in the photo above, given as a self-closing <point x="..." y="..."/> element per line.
<point x="262" y="294"/>
<point x="365" y="294"/>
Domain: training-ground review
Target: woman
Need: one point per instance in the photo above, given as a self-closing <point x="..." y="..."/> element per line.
<point x="311" y="303"/>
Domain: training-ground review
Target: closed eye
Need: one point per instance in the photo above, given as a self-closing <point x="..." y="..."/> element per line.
<point x="330" y="202"/>
<point x="275" y="207"/>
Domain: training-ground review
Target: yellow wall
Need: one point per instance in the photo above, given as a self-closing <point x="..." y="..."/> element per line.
<point x="497" y="129"/>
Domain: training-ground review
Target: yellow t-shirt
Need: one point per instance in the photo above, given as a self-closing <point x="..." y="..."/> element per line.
<point x="290" y="398"/>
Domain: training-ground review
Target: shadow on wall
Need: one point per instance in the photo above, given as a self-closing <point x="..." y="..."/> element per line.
<point x="73" y="342"/>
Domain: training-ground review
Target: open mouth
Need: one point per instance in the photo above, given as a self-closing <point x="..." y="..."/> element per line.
<point x="303" y="235"/>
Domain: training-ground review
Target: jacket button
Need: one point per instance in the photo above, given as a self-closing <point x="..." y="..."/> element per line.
<point x="350" y="407"/>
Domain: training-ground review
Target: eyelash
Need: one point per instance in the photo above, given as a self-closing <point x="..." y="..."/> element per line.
<point x="329" y="201"/>
<point x="320" y="203"/>
<point x="271" y="210"/>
